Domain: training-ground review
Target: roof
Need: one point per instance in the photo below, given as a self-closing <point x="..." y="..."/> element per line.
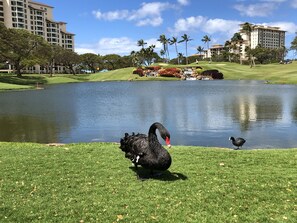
<point x="41" y="4"/>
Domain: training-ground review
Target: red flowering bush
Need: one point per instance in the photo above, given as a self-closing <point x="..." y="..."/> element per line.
<point x="154" y="68"/>
<point x="170" y="72"/>
<point x="139" y="71"/>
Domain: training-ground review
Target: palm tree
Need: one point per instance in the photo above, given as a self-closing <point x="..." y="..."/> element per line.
<point x="134" y="58"/>
<point x="250" y="53"/>
<point x="247" y="28"/>
<point x="162" y="39"/>
<point x="141" y="43"/>
<point x="200" y="50"/>
<point x="180" y="57"/>
<point x="236" y="40"/>
<point x="186" y="39"/>
<point x="162" y="53"/>
<point x="206" y="39"/>
<point x="174" y="41"/>
<point x="227" y="47"/>
<point x="293" y="46"/>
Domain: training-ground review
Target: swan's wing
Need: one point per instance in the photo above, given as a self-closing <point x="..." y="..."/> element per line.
<point x="134" y="144"/>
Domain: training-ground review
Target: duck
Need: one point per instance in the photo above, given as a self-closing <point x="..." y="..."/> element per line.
<point x="238" y="142"/>
<point x="146" y="150"/>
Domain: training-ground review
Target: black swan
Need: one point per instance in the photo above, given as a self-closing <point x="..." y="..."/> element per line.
<point x="146" y="150"/>
<point x="237" y="142"/>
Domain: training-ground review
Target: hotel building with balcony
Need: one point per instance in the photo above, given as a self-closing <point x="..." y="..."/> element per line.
<point x="264" y="36"/>
<point x="38" y="19"/>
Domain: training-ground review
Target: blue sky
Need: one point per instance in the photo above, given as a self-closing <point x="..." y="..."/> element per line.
<point x="114" y="26"/>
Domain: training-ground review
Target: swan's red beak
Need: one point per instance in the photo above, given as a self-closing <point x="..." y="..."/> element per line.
<point x="168" y="142"/>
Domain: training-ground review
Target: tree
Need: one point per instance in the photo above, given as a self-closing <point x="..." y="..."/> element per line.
<point x="294" y="45"/>
<point x="247" y="28"/>
<point x="162" y="39"/>
<point x="162" y="53"/>
<point x="237" y="38"/>
<point x="53" y="55"/>
<point x="90" y="61"/>
<point x="19" y="46"/>
<point x="206" y="39"/>
<point x="112" y="61"/>
<point x="250" y="52"/>
<point x="186" y="39"/>
<point x="148" y="55"/>
<point x="134" y="58"/>
<point x="145" y="56"/>
<point x="69" y="59"/>
<point x="200" y="50"/>
<point x="235" y="44"/>
<point x="141" y="43"/>
<point x="174" y="41"/>
<point x="180" y="58"/>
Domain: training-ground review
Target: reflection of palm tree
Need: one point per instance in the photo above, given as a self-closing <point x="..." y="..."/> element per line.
<point x="186" y="39"/>
<point x="174" y="41"/>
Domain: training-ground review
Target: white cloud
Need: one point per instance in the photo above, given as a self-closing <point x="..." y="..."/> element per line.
<point x="187" y="24"/>
<point x="121" y="46"/>
<point x="183" y="2"/>
<point x="147" y="14"/>
<point x="256" y="10"/>
<point x="294" y="4"/>
<point x="290" y="27"/>
<point x="221" y="26"/>
<point x="209" y="26"/>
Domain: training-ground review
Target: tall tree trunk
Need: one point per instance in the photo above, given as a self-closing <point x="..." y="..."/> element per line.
<point x="18" y="70"/>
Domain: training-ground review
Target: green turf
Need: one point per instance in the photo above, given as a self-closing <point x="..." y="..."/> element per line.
<point x="271" y="73"/>
<point x="93" y="182"/>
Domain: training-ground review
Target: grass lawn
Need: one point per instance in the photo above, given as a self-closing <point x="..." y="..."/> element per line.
<point x="6" y="86"/>
<point x="272" y="73"/>
<point x="93" y="182"/>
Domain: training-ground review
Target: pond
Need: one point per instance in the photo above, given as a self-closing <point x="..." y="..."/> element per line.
<point x="200" y="113"/>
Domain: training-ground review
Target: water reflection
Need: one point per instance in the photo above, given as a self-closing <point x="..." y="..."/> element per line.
<point x="27" y="129"/>
<point x="202" y="113"/>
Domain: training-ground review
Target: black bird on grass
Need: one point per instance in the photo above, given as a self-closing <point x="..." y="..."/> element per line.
<point x="147" y="151"/>
<point x="238" y="142"/>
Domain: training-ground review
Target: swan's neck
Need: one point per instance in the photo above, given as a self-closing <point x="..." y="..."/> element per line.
<point x="152" y="137"/>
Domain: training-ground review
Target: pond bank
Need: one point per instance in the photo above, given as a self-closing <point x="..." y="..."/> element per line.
<point x="272" y="73"/>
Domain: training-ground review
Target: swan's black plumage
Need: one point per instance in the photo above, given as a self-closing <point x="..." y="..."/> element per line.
<point x="146" y="150"/>
<point x="238" y="142"/>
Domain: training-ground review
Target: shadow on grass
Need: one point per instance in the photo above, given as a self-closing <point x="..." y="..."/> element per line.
<point x="25" y="80"/>
<point x="145" y="174"/>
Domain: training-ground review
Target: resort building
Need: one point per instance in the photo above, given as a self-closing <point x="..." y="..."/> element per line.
<point x="213" y="50"/>
<point x="264" y="36"/>
<point x="37" y="18"/>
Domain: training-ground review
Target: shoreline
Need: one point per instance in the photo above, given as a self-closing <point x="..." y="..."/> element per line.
<point x="270" y="73"/>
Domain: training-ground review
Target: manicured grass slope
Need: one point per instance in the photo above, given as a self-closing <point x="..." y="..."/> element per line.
<point x="93" y="182"/>
<point x="273" y="73"/>
<point x="6" y="86"/>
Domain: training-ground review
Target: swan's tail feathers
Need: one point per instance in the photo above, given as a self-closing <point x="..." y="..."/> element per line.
<point x="125" y="142"/>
